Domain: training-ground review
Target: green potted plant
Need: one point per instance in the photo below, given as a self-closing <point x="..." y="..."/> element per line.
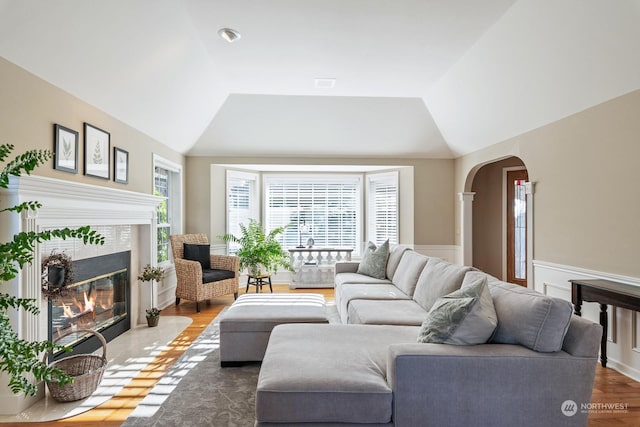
<point x="152" y="275"/>
<point x="259" y="253"/>
<point x="20" y="359"/>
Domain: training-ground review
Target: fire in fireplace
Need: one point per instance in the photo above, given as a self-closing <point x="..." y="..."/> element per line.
<point x="99" y="300"/>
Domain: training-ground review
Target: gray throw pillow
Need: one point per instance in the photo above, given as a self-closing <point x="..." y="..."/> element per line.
<point x="463" y="317"/>
<point x="374" y="260"/>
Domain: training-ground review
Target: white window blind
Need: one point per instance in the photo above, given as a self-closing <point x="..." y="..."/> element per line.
<point x="327" y="205"/>
<point x="382" y="207"/>
<point x="242" y="202"/>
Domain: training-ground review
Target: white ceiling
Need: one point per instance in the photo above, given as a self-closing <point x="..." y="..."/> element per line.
<point x="414" y="78"/>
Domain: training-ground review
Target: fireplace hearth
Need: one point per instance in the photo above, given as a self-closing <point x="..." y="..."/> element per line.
<point x="99" y="299"/>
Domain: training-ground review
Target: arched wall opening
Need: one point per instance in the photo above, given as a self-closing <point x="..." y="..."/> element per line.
<point x="488" y="217"/>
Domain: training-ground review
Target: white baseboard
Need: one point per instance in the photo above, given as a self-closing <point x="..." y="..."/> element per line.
<point x="623" y="348"/>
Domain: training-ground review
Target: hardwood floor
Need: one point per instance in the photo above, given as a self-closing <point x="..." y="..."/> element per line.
<point x="610" y="386"/>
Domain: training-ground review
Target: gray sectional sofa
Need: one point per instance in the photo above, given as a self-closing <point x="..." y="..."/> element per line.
<point x="370" y="370"/>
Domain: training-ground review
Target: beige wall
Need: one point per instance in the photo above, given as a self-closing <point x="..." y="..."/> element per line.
<point x="29" y="107"/>
<point x="433" y="195"/>
<point x="488" y="216"/>
<point x="586" y="201"/>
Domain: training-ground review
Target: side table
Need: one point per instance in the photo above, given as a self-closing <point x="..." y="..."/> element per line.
<point x="604" y="292"/>
<point x="258" y="282"/>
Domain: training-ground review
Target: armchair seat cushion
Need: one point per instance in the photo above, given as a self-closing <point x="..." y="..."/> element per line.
<point x="215" y="275"/>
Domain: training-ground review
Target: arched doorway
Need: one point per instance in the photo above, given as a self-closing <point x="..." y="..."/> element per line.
<point x="501" y="219"/>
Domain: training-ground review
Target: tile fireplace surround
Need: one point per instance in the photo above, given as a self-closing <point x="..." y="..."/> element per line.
<point x="126" y="219"/>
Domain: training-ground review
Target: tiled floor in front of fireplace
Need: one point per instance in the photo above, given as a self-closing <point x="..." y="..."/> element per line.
<point x="127" y="354"/>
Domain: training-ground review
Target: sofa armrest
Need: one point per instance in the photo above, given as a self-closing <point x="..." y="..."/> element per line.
<point x="489" y="384"/>
<point x="583" y="337"/>
<point x="347" y="267"/>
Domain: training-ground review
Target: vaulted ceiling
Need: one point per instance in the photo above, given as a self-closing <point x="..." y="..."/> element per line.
<point x="413" y="78"/>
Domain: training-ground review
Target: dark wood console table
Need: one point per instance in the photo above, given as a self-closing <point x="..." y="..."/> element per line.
<point x="604" y="292"/>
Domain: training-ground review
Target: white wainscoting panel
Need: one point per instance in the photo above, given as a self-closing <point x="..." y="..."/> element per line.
<point x="623" y="335"/>
<point x="167" y="287"/>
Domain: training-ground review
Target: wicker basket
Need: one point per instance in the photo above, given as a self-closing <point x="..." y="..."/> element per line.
<point x="85" y="369"/>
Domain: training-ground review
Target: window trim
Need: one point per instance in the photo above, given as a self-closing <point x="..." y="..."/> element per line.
<point x="175" y="185"/>
<point x="254" y="196"/>
<point x="370" y="201"/>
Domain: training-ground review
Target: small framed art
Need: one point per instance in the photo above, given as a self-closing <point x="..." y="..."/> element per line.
<point x="65" y="149"/>
<point x="120" y="165"/>
<point x="97" y="148"/>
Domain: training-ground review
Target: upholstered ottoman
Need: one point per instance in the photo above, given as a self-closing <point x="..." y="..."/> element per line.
<point x="246" y="326"/>
<point x="328" y="375"/>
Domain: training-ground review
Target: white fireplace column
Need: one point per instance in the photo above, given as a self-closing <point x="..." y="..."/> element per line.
<point x="71" y="204"/>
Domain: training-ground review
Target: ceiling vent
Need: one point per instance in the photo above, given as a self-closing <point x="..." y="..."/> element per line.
<point x="325" y="83"/>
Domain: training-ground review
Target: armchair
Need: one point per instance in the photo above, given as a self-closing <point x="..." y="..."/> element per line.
<point x="190" y="274"/>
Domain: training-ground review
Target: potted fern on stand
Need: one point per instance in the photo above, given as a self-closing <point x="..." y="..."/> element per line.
<point x="259" y="253"/>
<point x="152" y="275"/>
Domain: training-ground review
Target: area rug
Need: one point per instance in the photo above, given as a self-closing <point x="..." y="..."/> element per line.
<point x="196" y="391"/>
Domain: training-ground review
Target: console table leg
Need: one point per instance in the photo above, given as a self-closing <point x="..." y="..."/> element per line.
<point x="604" y="320"/>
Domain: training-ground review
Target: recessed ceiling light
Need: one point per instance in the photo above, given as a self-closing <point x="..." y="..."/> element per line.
<point x="229" y="34"/>
<point x="325" y="83"/>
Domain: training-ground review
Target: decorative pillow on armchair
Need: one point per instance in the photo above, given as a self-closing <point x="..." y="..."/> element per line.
<point x="464" y="317"/>
<point x="374" y="260"/>
<point x="198" y="252"/>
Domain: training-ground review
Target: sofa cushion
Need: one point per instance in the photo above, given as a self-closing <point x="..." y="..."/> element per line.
<point x="464" y="317"/>
<point x="356" y="278"/>
<point x="198" y="252"/>
<point x="408" y="271"/>
<point x="438" y="279"/>
<point x="390" y="312"/>
<point x="328" y="374"/>
<point x="395" y="255"/>
<point x="529" y="318"/>
<point x="350" y="292"/>
<point x="374" y="260"/>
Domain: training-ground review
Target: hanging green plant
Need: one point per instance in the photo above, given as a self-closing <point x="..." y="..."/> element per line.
<point x="20" y="359"/>
<point x="57" y="274"/>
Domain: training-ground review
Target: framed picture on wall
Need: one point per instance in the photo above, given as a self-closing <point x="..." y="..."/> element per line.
<point x="65" y="149"/>
<point x="97" y="149"/>
<point x="120" y="165"/>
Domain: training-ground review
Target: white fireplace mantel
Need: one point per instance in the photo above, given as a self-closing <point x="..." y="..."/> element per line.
<point x="70" y="204"/>
<point x="83" y="204"/>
